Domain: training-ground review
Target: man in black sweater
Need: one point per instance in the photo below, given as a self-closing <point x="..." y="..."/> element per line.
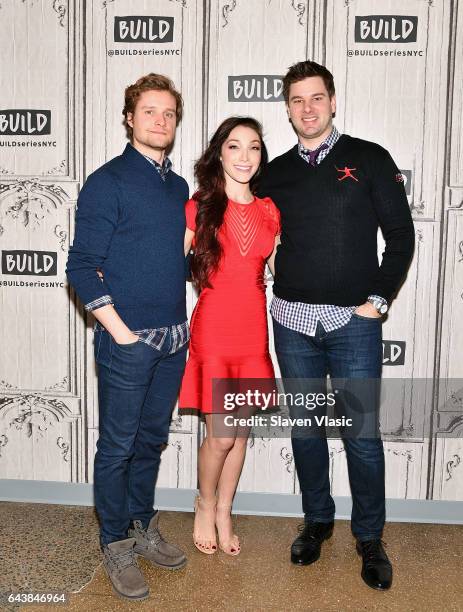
<point x="330" y="295"/>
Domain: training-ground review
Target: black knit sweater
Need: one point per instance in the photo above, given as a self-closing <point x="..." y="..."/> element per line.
<point x="330" y="219"/>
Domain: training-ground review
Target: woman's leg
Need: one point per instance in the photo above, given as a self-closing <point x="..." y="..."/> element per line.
<point x="226" y="489"/>
<point x="231" y="472"/>
<point x="211" y="458"/>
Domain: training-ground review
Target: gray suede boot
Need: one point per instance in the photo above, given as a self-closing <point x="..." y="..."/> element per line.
<point x="151" y="545"/>
<point x="121" y="566"/>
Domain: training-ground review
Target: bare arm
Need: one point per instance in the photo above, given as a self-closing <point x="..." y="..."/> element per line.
<point x="189" y="235"/>
<point x="271" y="259"/>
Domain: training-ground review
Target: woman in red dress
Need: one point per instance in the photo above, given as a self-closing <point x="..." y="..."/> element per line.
<point x="233" y="234"/>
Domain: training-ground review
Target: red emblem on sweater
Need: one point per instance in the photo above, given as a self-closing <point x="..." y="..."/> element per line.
<point x="347" y="173"/>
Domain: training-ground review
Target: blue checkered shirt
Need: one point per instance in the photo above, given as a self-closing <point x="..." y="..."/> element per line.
<point x="156" y="338"/>
<point x="302" y="317"/>
<point x="163" y="168"/>
<point x="152" y="337"/>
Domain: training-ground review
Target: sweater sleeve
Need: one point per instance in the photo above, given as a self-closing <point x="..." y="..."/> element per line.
<point x="395" y="220"/>
<point x="263" y="189"/>
<point x="96" y="221"/>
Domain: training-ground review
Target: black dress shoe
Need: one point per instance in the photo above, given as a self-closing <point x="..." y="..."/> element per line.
<point x="376" y="567"/>
<point x="307" y="546"/>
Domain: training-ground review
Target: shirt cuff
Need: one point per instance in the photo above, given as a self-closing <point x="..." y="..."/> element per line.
<point x="102" y="301"/>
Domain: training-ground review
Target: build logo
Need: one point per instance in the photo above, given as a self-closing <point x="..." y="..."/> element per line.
<point x="255" y="88"/>
<point x="393" y="352"/>
<point x="19" y="122"/>
<point x="386" y="29"/>
<point x="29" y="263"/>
<point x="141" y="29"/>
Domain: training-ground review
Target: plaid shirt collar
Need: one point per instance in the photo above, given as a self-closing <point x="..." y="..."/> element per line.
<point x="330" y="141"/>
<point x="163" y="168"/>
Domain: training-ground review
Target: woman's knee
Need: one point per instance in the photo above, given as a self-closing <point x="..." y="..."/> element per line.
<point x="223" y="445"/>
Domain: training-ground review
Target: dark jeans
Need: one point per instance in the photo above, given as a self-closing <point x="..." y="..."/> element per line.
<point x="353" y="351"/>
<point x="137" y="390"/>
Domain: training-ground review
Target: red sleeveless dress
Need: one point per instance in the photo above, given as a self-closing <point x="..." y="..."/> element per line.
<point x="229" y="335"/>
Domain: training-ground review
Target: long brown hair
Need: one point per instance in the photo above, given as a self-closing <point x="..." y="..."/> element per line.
<point x="212" y="199"/>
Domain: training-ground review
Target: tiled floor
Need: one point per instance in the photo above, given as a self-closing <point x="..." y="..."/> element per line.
<point x="46" y="547"/>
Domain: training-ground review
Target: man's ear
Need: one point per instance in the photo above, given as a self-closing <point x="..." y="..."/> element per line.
<point x="130" y="119"/>
<point x="333" y="105"/>
<point x="287" y="112"/>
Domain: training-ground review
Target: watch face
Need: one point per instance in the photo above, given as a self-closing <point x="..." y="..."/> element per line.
<point x="381" y="308"/>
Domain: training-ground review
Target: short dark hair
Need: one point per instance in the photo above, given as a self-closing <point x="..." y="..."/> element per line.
<point x="151" y="81"/>
<point x="302" y="70"/>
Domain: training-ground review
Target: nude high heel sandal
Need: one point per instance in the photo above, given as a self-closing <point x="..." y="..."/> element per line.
<point x="233" y="546"/>
<point x="206" y="545"/>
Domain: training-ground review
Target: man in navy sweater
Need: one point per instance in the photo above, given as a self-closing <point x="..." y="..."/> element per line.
<point x="127" y="266"/>
<point x="330" y="294"/>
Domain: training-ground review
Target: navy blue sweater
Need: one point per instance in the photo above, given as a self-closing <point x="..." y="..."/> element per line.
<point x="131" y="224"/>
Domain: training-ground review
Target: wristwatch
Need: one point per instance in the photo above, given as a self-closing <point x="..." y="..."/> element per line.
<point x="379" y="303"/>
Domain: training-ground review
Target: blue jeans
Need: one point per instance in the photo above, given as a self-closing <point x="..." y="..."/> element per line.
<point x="353" y="351"/>
<point x="137" y="390"/>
